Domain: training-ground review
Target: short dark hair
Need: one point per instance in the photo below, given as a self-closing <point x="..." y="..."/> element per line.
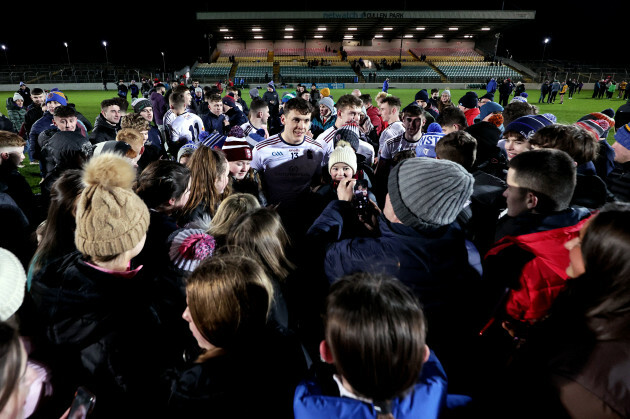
<point x="414" y="110"/>
<point x="346" y="101"/>
<point x="580" y="144"/>
<point x="392" y="101"/>
<point x="257" y="105"/>
<point x="550" y="174"/>
<point x="110" y="102"/>
<point x="180" y="88"/>
<point x="383" y="316"/>
<point x="434" y="90"/>
<point x="177" y="100"/>
<point x="366" y="98"/>
<point x="458" y="146"/>
<point x="299" y="105"/>
<point x="451" y="116"/>
<point x="65" y="112"/>
<point x="122" y="103"/>
<point x="515" y="110"/>
<point x="160" y="86"/>
<point x="37" y="91"/>
<point x="161" y="181"/>
<point x="214" y="97"/>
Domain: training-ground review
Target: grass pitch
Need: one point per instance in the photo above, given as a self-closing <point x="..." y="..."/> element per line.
<point x="88" y="103"/>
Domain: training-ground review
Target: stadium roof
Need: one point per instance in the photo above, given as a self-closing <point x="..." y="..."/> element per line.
<point x="360" y="25"/>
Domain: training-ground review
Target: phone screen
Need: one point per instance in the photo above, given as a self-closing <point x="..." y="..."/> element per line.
<point x="82" y="404"/>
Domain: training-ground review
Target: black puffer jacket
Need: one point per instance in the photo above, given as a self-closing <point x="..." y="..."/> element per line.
<point x="100" y="331"/>
<point x="103" y="131"/>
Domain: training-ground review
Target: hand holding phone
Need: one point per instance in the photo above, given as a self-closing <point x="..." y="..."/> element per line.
<point x="82" y="404"/>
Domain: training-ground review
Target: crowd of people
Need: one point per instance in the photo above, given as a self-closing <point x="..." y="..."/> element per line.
<point x="198" y="254"/>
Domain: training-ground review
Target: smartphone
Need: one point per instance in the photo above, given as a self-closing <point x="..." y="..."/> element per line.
<point x="82" y="404"/>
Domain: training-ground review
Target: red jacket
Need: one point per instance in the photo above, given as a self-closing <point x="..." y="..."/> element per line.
<point x="471" y="114"/>
<point x="375" y="117"/>
<point x="544" y="276"/>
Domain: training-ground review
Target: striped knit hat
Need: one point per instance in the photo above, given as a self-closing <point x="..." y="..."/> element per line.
<point x="428" y="193"/>
<point x="597" y="127"/>
<point x="527" y="125"/>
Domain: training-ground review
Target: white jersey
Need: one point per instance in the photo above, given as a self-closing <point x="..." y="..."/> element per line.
<point x="186" y="127"/>
<point x="391" y="131"/>
<point x="251" y="134"/>
<point x="326" y="140"/>
<point x="168" y="119"/>
<point x="288" y="168"/>
<point x="396" y="145"/>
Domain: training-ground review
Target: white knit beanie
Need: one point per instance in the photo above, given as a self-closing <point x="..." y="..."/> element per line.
<point x="343" y="153"/>
<point x="12" y="283"/>
<point x="17" y="96"/>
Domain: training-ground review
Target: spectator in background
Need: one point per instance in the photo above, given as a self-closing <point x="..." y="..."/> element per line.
<point x="107" y="123"/>
<point x="25" y="92"/>
<point x="122" y="90"/>
<point x="35" y="111"/>
<point x="159" y="104"/>
<point x="16" y="111"/>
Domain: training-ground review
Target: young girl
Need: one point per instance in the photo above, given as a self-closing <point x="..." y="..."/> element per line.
<point x="260" y="235"/>
<point x="375" y="342"/>
<point x="97" y="314"/>
<point x="209" y="184"/>
<point x="229" y="211"/>
<point x="58" y="234"/>
<point x="246" y="367"/>
<point x="239" y="157"/>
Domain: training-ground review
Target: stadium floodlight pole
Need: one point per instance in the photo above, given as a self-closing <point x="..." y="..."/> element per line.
<point x="68" y="53"/>
<point x="6" y="56"/>
<point x="545" y="42"/>
<point x="164" y="64"/>
<point x="106" y="56"/>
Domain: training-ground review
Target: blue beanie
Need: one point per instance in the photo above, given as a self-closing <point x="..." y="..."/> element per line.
<point x="57" y="97"/>
<point x="488" y="108"/>
<point x="527" y="125"/>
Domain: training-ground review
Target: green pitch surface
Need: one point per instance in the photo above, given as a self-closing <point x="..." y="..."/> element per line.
<point x="88" y="103"/>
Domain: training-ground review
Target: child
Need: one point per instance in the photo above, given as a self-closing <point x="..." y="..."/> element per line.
<point x="239" y="157"/>
<point x="95" y="309"/>
<point x="375" y="340"/>
<point x="229" y="298"/>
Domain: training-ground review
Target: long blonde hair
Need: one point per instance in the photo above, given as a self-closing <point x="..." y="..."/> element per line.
<point x="261" y="235"/>
<point x="229" y="210"/>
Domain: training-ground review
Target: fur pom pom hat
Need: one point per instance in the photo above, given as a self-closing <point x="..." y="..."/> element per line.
<point x="111" y="218"/>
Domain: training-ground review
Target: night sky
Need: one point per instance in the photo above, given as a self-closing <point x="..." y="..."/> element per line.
<point x="589" y="35"/>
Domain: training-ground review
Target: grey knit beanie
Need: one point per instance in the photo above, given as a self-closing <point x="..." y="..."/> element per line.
<point x="428" y="193"/>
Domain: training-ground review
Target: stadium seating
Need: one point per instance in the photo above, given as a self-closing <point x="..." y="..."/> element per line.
<point x="212" y="71"/>
<point x="409" y="73"/>
<point x="448" y="54"/>
<point x="470" y="71"/>
<point x="378" y="55"/>
<point x="300" y="72"/>
<point x="297" y="54"/>
<point x="243" y="55"/>
<point x="254" y="72"/>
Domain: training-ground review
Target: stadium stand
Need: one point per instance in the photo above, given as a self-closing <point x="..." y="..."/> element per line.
<point x="212" y="71"/>
<point x="300" y="72"/>
<point x="470" y="71"/>
<point x="241" y="55"/>
<point x="448" y="54"/>
<point x="410" y="72"/>
<point x="389" y="55"/>
<point x="254" y="72"/>
<point x="296" y="54"/>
